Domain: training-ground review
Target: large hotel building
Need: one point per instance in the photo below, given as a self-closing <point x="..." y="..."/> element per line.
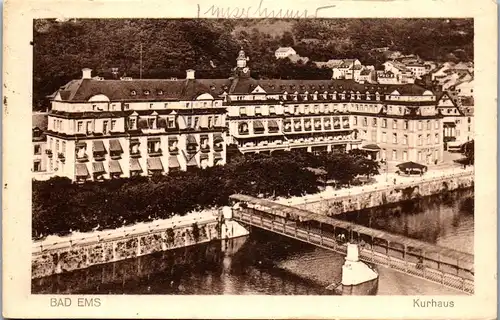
<point x="100" y="129"/>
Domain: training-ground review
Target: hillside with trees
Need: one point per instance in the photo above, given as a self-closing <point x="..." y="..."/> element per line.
<point x="62" y="49"/>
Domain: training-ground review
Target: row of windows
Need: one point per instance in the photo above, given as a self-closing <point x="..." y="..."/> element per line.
<point x="374" y="123"/>
<point x="306" y="109"/>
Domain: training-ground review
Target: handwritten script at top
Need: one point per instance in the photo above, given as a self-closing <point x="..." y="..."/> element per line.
<point x="258" y="12"/>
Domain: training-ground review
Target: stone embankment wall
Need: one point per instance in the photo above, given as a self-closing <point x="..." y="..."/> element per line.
<point x="374" y="197"/>
<point x="115" y="245"/>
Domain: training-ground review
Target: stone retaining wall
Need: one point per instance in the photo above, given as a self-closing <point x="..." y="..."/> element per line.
<point x="393" y="194"/>
<point x="67" y="256"/>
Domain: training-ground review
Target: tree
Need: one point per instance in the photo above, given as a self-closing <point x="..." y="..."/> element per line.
<point x="467" y="150"/>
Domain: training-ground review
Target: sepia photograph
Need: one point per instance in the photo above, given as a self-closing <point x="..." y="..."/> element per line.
<point x="265" y="160"/>
<point x="253" y="156"/>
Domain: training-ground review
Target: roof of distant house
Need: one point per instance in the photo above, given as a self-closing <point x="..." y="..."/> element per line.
<point x="284" y="49"/>
<point x="365" y="72"/>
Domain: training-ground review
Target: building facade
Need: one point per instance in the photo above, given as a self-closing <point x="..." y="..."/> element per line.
<point x="101" y="129"/>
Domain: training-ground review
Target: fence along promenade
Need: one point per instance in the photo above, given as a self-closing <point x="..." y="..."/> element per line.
<point x="441" y="265"/>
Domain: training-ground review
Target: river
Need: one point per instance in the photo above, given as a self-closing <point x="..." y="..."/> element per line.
<point x="265" y="263"/>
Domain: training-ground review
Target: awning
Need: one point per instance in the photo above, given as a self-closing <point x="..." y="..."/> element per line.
<point x="217" y="156"/>
<point x="203" y="156"/>
<point x="154" y="139"/>
<point x="81" y="144"/>
<point x="135" y="165"/>
<point x="191" y="160"/>
<point x="114" y="145"/>
<point x="191" y="139"/>
<point x="371" y="147"/>
<point x="257" y="124"/>
<point x="272" y="124"/>
<point x="449" y="125"/>
<point x="81" y="170"/>
<point x="411" y="165"/>
<point x="218" y="138"/>
<point x="98" y="146"/>
<point x="114" y="167"/>
<point x="173" y="162"/>
<point x="98" y="167"/>
<point x="154" y="164"/>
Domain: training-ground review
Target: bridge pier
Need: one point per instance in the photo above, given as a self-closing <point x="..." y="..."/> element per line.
<point x="357" y="277"/>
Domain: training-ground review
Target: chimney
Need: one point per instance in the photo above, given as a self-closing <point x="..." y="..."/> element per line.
<point x="86" y="73"/>
<point x="190" y="74"/>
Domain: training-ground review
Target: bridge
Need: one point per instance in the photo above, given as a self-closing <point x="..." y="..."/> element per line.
<point x="420" y="259"/>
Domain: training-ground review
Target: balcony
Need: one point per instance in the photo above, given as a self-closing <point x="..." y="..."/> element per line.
<point x="61" y="157"/>
<point x="155" y="153"/>
<point x="135" y="154"/>
<point x="82" y="157"/>
<point x="49" y="153"/>
<point x="173" y="150"/>
<point x="115" y="155"/>
<point x="99" y="156"/>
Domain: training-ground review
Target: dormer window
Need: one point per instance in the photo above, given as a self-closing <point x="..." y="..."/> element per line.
<point x="133" y="93"/>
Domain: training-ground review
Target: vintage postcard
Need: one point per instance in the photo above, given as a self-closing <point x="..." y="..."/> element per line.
<point x="196" y="159"/>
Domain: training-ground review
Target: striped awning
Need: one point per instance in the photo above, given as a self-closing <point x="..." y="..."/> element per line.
<point x="114" y="145"/>
<point x="98" y="167"/>
<point x="173" y="162"/>
<point x="191" y="139"/>
<point x="272" y="124"/>
<point x="114" y="167"/>
<point x="154" y="164"/>
<point x="98" y="146"/>
<point x="218" y="138"/>
<point x="191" y="160"/>
<point x="135" y="165"/>
<point x="81" y="170"/>
<point x="257" y="124"/>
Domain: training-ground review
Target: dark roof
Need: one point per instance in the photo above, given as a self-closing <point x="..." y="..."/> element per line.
<point x="162" y="90"/>
<point x="373" y="147"/>
<point x="145" y="89"/>
<point x="411" y="165"/>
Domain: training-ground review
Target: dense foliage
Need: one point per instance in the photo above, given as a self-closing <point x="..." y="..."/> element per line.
<point x="60" y="206"/>
<point x="210" y="46"/>
<point x="467" y="150"/>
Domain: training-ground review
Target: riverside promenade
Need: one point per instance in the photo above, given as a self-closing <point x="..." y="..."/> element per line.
<point x="388" y="181"/>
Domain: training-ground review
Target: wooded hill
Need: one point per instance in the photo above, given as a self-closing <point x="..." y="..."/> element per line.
<point x="169" y="47"/>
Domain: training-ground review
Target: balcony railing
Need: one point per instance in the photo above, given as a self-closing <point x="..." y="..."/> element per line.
<point x="82" y="158"/>
<point x="115" y="155"/>
<point x="49" y="153"/>
<point x="61" y="156"/>
<point x="155" y="153"/>
<point x="99" y="156"/>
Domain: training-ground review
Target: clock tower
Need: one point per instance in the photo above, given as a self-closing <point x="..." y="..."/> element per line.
<point x="241" y="70"/>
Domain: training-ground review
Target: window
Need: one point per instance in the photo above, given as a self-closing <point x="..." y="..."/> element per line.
<point x="384" y="136"/>
<point x="405" y="139"/>
<point x="79" y="126"/>
<point x="196" y="121"/>
<point x="405" y="125"/>
<point x="374" y="122"/>
<point x="37" y="149"/>
<point x="395" y="124"/>
<point x="436" y="138"/>
<point x="306" y="109"/>
<point x="469" y="128"/>
<point x="258" y="111"/>
<point x="272" y="110"/>
<point x="374" y="135"/>
<point x="216" y="120"/>
<point x="394" y="138"/>
<point x="87" y="126"/>
<point x="394" y="155"/>
<point x="57" y="145"/>
<point x="419" y="139"/>
<point x="210" y="122"/>
<point x="355" y="121"/>
<point x="126" y="106"/>
<point x="468" y="120"/>
<point x="420" y="125"/>
<point x="189" y="122"/>
<point x="405" y="156"/>
<point x="436" y="124"/>
<point x="384" y="123"/>
<point x="243" y="111"/>
<point x="171" y="122"/>
<point x="37" y="166"/>
<point x="105" y="126"/>
<point x="63" y="147"/>
<point x="365" y="121"/>
<point x="428" y="139"/>
<point x="420" y="156"/>
<point x="113" y="125"/>
<point x="131" y="123"/>
<point x="428" y="124"/>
